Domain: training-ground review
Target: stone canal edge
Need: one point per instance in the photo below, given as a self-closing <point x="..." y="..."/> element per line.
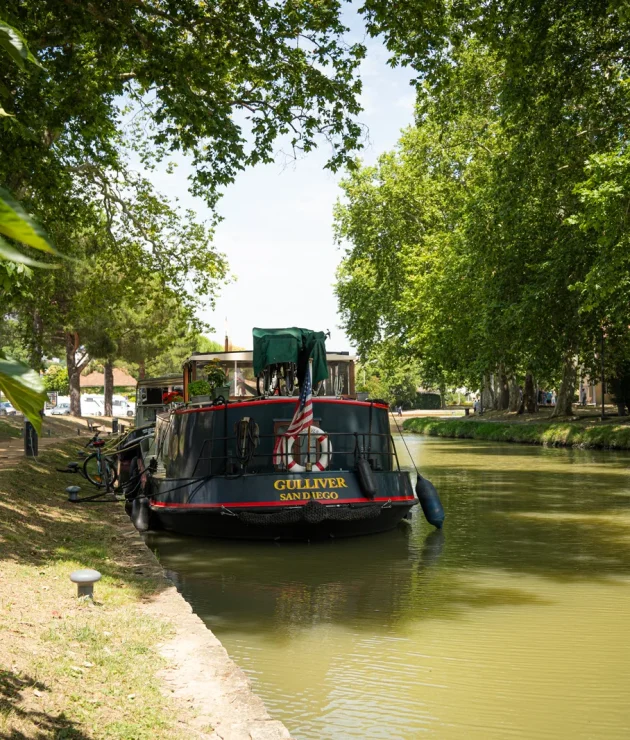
<point x="200" y="672"/>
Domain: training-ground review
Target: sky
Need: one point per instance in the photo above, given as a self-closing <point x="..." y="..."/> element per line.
<point x="277" y="219"/>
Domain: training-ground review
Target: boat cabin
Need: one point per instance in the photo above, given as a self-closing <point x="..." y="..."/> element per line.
<point x="238" y="367"/>
<point x="152" y="396"/>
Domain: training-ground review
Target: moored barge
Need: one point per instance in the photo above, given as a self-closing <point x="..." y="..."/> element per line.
<point x="235" y="467"/>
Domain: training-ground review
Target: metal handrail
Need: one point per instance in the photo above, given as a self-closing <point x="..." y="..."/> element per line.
<point x="360" y="448"/>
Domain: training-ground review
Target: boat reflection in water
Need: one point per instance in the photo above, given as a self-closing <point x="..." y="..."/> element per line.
<point x="344" y="583"/>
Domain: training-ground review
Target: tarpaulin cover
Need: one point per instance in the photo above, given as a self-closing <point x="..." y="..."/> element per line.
<point x="273" y="346"/>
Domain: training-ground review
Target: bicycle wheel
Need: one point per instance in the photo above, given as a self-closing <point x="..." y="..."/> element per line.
<point x="262" y="382"/>
<point x="99" y="471"/>
<point x="274" y="381"/>
<point x="289" y="379"/>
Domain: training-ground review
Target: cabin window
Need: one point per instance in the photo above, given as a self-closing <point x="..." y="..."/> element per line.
<point x="154" y="395"/>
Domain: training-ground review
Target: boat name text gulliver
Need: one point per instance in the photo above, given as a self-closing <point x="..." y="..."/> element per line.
<point x="301" y="484"/>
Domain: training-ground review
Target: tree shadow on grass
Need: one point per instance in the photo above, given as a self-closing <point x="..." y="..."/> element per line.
<point x="39" y="526"/>
<point x="32" y="724"/>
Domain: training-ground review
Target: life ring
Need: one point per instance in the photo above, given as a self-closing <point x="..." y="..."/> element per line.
<point x="321" y="463"/>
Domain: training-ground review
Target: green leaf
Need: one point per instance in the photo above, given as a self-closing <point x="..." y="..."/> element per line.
<point x="12" y="41"/>
<point x="24" y="388"/>
<point x="17" y="224"/>
<point x="8" y="252"/>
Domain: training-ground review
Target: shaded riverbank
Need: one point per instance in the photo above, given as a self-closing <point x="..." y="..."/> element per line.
<point x="136" y="663"/>
<point x="589" y="434"/>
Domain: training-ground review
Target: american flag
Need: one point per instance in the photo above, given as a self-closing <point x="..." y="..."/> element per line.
<point x="302" y="419"/>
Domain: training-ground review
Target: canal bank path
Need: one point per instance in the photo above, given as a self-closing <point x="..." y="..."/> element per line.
<point x="586" y="429"/>
<point x="134" y="663"/>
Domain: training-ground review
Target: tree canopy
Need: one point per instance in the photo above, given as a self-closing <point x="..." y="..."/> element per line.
<point x="492" y="241"/>
<point x="120" y="84"/>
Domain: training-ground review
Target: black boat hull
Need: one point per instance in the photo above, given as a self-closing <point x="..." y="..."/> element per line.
<point x="204" y="523"/>
<point x="283" y="506"/>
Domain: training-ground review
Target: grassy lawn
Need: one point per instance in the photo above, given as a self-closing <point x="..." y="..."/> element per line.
<point x="8" y="430"/>
<point x="68" y="668"/>
<point x="585" y="431"/>
<point x="53" y="426"/>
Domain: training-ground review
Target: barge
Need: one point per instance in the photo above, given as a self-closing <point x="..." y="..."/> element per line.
<point x="286" y="464"/>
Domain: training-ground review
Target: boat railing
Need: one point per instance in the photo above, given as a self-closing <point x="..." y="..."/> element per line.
<point x="237" y="457"/>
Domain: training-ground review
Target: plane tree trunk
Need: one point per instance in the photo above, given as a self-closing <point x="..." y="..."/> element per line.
<point x="529" y="394"/>
<point x="514" y="401"/>
<point x="503" y="394"/>
<point x="564" y="401"/>
<point x="75" y="366"/>
<point x="108" y="387"/>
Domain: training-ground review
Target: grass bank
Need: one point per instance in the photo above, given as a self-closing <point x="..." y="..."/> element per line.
<point x="8" y="430"/>
<point x="72" y="669"/>
<point x="590" y="433"/>
<point x="54" y="426"/>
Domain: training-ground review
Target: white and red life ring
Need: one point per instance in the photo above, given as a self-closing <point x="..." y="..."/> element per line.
<point x="325" y="447"/>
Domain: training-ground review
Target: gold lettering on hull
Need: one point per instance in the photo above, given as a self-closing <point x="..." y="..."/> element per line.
<point x="309" y="495"/>
<point x="307" y="489"/>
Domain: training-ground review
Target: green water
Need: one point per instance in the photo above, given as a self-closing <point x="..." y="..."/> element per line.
<point x="512" y="623"/>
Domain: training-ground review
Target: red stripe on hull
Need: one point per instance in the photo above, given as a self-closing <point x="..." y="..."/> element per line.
<point x="168" y="505"/>
<point x="243" y="404"/>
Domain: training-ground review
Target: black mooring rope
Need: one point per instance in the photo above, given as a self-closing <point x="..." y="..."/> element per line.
<point x="405" y="443"/>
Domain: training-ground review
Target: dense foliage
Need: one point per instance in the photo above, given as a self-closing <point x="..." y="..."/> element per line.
<point x="119" y="85"/>
<point x="493" y="242"/>
<point x="56" y="379"/>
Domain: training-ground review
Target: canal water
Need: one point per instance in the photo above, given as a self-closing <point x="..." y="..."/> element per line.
<point x="513" y="622"/>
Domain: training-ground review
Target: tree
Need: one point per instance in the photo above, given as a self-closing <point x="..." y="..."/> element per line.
<point x="56" y="379"/>
<point x="21" y="385"/>
<point x="475" y="245"/>
<point x="217" y="83"/>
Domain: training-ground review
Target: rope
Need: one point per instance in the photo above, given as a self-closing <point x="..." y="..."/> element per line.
<point x="312" y="513"/>
<point x="405" y="443"/>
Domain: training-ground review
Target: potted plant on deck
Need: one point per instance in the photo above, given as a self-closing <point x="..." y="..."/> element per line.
<point x="217" y="380"/>
<point x="172" y="397"/>
<point x="215" y="385"/>
<point x="199" y="391"/>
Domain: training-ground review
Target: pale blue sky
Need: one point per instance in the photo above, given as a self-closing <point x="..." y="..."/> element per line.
<point x="277" y="228"/>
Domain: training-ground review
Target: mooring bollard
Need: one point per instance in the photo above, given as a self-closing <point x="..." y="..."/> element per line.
<point x="73" y="492"/>
<point x="31" y="447"/>
<point x="114" y="426"/>
<point x="78" y="431"/>
<point x="85" y="580"/>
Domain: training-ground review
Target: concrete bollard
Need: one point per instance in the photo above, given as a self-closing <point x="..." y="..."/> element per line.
<point x="73" y="493"/>
<point x="85" y="580"/>
<point x="114" y="426"/>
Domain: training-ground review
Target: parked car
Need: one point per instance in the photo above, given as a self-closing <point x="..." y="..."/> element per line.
<point x="122" y="407"/>
<point x="61" y="409"/>
<point x="91" y="406"/>
<point x="7" y="409"/>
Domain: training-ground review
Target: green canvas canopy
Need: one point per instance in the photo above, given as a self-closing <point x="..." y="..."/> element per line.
<point x="272" y="346"/>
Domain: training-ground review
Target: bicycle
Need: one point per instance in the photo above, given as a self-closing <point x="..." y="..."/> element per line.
<point x="97" y="467"/>
<point x="280" y="378"/>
